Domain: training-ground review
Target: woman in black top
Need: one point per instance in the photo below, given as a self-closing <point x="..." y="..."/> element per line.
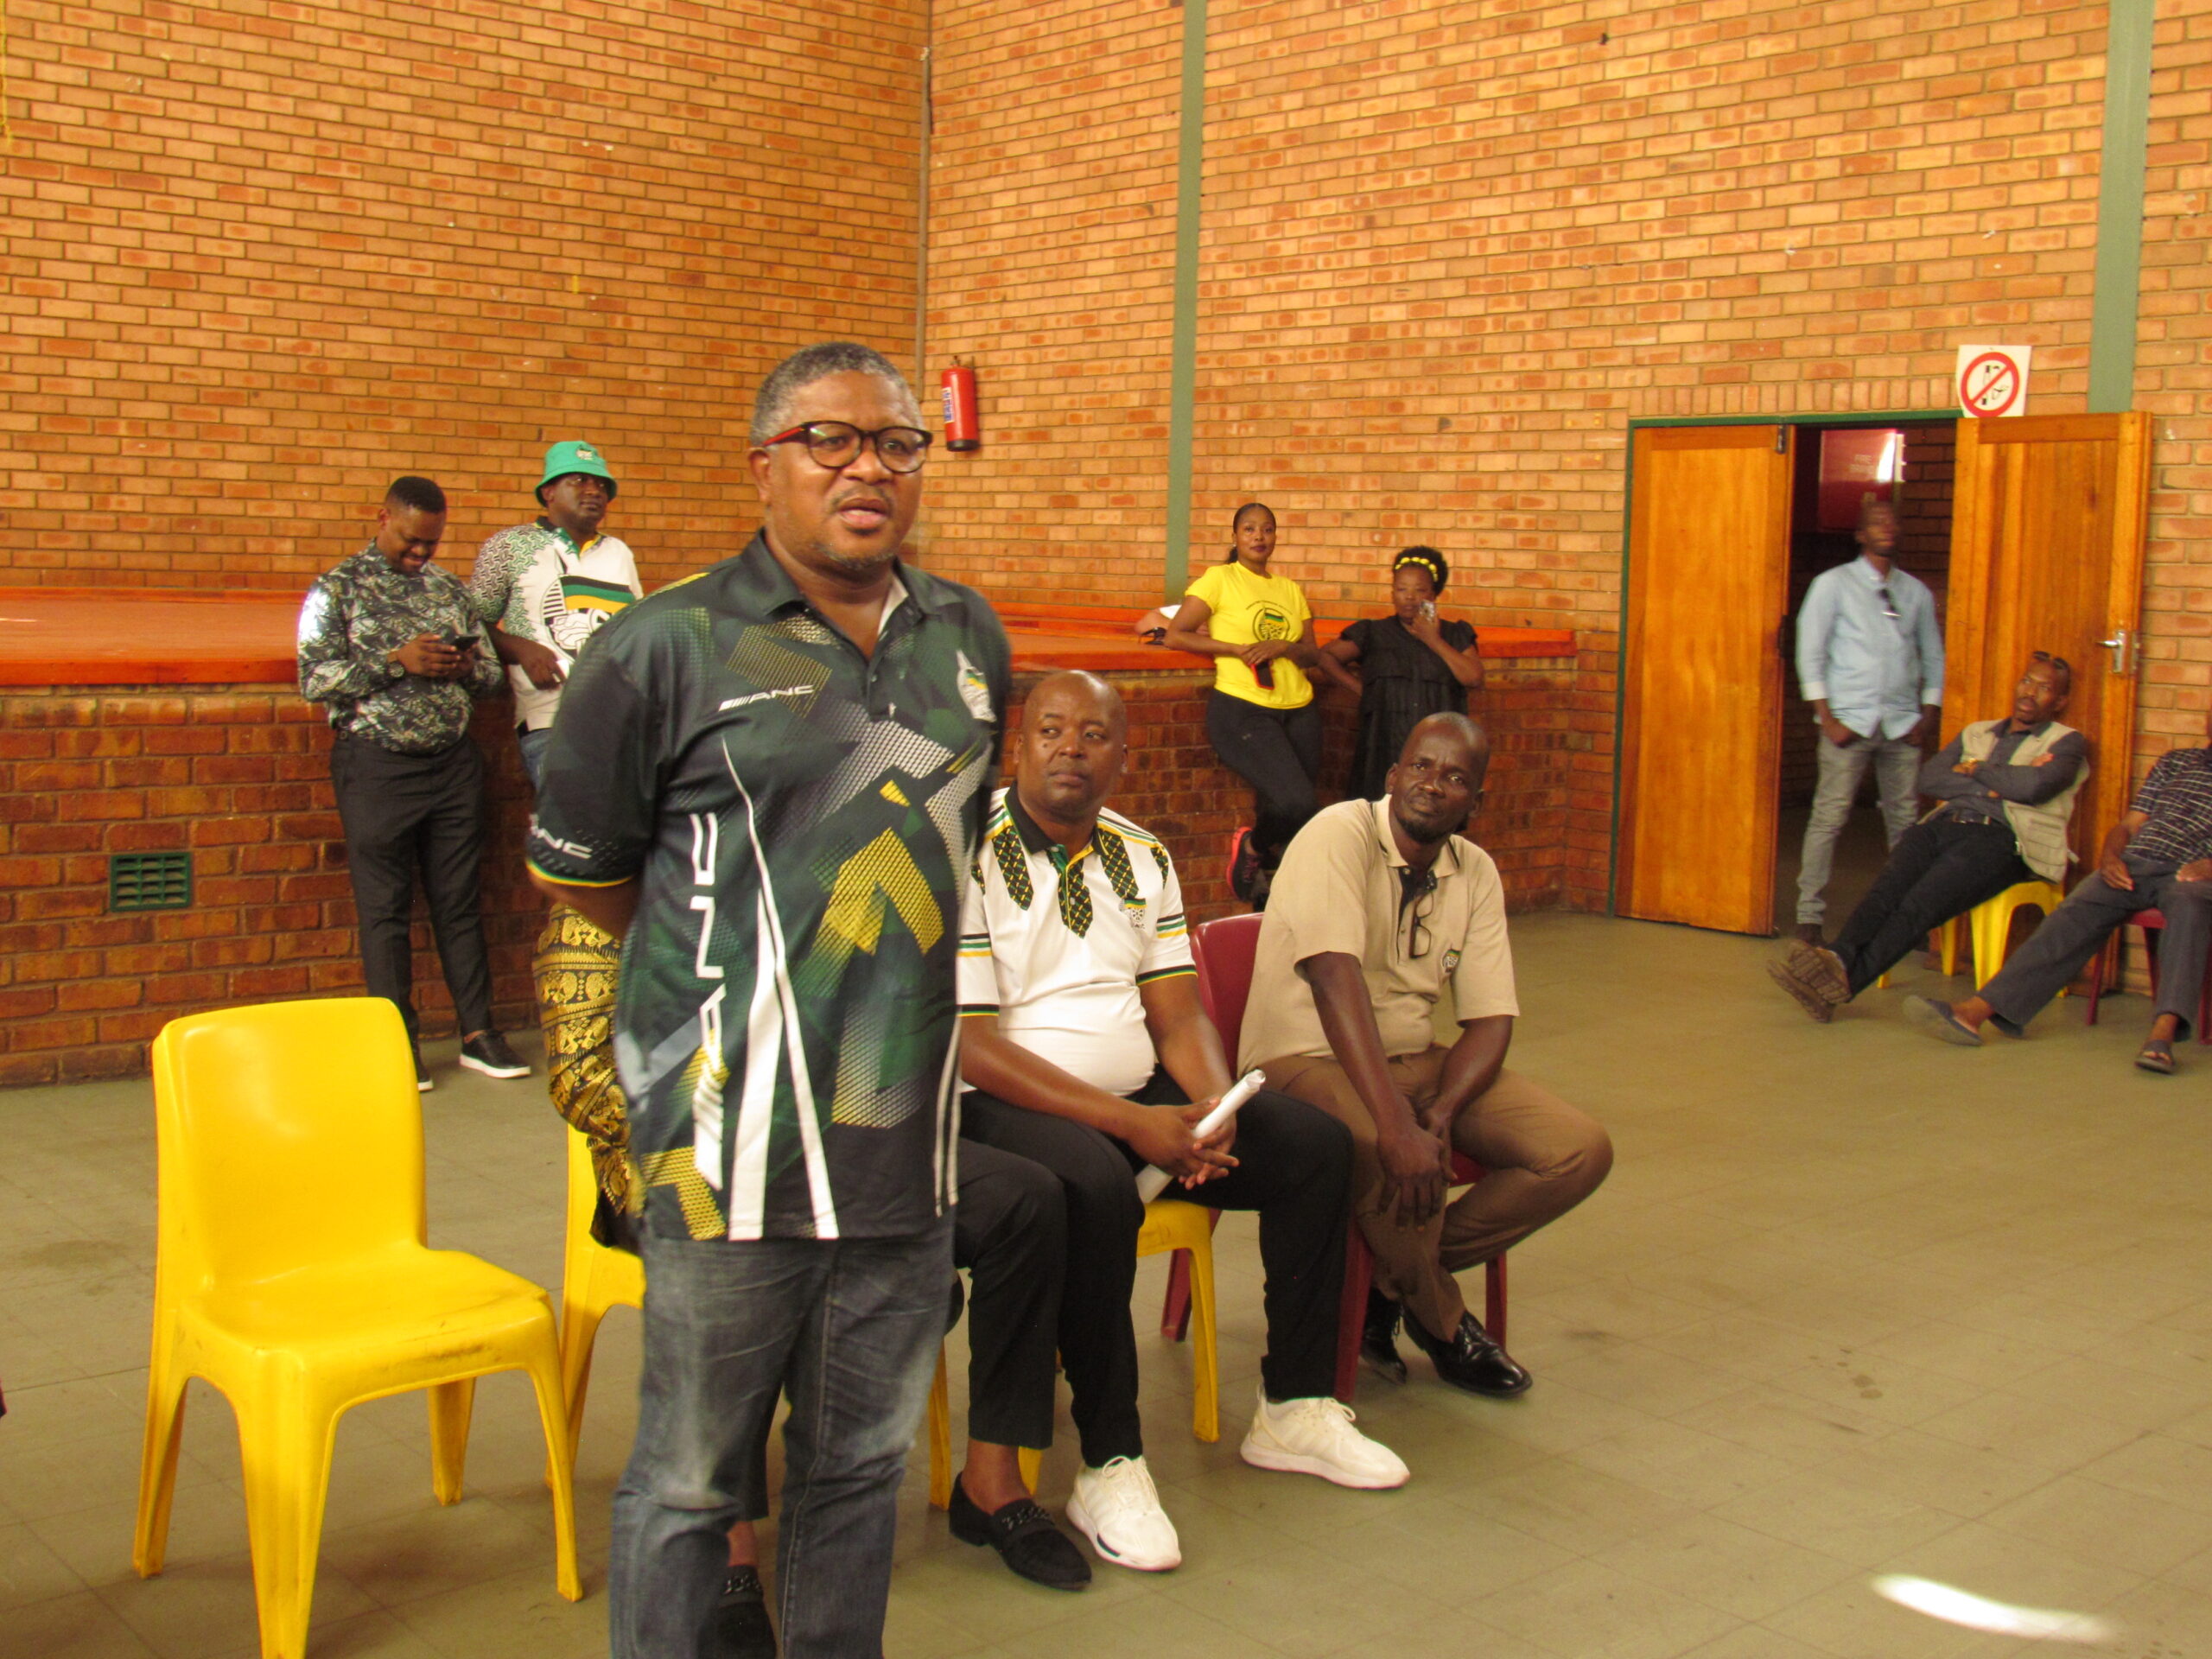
<point x="1410" y="666"/>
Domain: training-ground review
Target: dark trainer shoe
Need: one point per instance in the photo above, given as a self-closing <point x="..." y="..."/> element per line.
<point x="1378" y="1339"/>
<point x="487" y="1051"/>
<point x="1800" y="991"/>
<point x="1470" y="1360"/>
<point x="1025" y="1537"/>
<point x="422" y="1083"/>
<point x="740" y="1628"/>
<point x="1244" y="865"/>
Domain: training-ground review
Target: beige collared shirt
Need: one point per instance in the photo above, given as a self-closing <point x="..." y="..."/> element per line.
<point x="1340" y="890"/>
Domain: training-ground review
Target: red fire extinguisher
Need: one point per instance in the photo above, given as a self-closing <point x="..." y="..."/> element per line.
<point x="962" y="428"/>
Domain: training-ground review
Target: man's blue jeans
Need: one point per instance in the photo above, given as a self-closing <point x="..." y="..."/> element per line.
<point x="849" y="1328"/>
<point x="532" y="746"/>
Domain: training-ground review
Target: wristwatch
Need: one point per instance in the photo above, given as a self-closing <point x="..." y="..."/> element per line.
<point x="394" y="669"/>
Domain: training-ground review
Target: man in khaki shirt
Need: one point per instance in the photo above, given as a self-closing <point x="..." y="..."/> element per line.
<point x="1377" y="905"/>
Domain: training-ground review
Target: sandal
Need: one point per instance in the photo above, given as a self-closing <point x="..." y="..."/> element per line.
<point x="2156" y="1056"/>
<point x="1937" y="1020"/>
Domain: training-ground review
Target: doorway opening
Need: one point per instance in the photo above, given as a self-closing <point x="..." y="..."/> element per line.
<point x="1911" y="465"/>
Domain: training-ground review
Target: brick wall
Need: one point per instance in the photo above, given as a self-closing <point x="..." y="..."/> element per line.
<point x="239" y="775"/>
<point x="1450" y="251"/>
<point x="258" y="259"/>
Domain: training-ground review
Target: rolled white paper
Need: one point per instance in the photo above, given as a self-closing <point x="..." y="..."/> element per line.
<point x="1152" y="1179"/>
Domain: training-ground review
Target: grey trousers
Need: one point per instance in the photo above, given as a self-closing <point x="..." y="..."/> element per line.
<point x="1896" y="764"/>
<point x="2070" y="935"/>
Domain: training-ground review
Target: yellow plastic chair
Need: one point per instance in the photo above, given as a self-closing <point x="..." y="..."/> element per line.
<point x="1180" y="1224"/>
<point x="593" y="1279"/>
<point x="1991" y="925"/>
<point x="1169" y="1224"/>
<point x="293" y="1273"/>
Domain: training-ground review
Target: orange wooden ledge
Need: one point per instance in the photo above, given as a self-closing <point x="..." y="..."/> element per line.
<point x="181" y="636"/>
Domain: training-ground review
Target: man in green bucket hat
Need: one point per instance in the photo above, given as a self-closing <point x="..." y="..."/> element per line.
<point x="544" y="588"/>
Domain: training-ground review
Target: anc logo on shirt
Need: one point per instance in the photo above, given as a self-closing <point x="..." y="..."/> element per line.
<point x="575" y="608"/>
<point x="1269" y="623"/>
<point x="974" y="690"/>
<point x="1450" y="961"/>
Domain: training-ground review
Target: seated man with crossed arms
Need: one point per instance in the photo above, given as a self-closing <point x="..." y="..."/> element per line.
<point x="2005" y="791"/>
<point x="1378" y="904"/>
<point x="1084" y="1044"/>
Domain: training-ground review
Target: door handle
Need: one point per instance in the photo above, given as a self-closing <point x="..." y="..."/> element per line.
<point x="2126" y="650"/>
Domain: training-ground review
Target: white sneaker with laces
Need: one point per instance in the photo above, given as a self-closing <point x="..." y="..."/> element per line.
<point x="1117" y="1507"/>
<point x="1316" y="1437"/>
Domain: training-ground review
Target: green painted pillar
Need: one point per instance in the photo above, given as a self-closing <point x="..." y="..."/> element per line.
<point x="1183" y="351"/>
<point x="2120" y="208"/>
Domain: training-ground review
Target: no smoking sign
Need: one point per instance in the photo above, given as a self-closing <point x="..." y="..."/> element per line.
<point x="1992" y="380"/>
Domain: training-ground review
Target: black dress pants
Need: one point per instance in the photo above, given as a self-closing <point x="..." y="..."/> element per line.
<point x="1294" y="1166"/>
<point x="1937" y="870"/>
<point x="1009" y="1230"/>
<point x="402" y="812"/>
<point x="1278" y="751"/>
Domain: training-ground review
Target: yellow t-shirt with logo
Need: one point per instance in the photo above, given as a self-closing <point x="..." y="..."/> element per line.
<point x="1248" y="607"/>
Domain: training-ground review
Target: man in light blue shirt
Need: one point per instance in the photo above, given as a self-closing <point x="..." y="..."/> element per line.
<point x="1870" y="660"/>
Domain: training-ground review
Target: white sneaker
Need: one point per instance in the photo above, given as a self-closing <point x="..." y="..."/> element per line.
<point x="1316" y="1437"/>
<point x="1117" y="1507"/>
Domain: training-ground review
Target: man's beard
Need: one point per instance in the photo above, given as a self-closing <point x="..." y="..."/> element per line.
<point x="1421" y="835"/>
<point x="866" y="565"/>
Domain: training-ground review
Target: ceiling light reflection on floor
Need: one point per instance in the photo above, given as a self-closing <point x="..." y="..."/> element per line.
<point x="1979" y="1613"/>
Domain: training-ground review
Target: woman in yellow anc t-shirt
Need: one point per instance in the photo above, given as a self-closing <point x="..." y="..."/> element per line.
<point x="1261" y="717"/>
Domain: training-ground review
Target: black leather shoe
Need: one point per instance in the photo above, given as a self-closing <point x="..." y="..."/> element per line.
<point x="1470" y="1360"/>
<point x="1025" y="1537"/>
<point x="741" y="1629"/>
<point x="1378" y="1339"/>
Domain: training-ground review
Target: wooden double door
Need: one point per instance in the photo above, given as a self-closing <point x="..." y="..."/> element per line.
<point x="2047" y="529"/>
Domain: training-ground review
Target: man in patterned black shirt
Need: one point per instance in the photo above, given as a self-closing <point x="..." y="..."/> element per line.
<point x="2159" y="856"/>
<point x="393" y="647"/>
<point x="770" y="778"/>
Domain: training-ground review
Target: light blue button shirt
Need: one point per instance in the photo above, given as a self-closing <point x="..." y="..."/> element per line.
<point x="1874" y="671"/>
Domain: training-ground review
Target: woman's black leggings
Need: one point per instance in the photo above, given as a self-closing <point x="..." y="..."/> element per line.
<point x="1278" y="751"/>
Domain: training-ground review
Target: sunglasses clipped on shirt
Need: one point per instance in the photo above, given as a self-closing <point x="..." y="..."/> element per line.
<point x="1889" y="605"/>
<point x="1417" y="893"/>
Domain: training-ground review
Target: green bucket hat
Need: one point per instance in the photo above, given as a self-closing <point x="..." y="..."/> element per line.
<point x="574" y="455"/>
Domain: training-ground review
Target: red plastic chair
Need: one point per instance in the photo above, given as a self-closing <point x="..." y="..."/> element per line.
<point x="1224" y="950"/>
<point x="2104" y="971"/>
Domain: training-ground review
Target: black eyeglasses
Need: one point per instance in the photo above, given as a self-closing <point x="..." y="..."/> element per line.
<point x="836" y="443"/>
<point x="1889" y="606"/>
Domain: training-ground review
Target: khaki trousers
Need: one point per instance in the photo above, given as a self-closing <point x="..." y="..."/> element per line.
<point x="1542" y="1157"/>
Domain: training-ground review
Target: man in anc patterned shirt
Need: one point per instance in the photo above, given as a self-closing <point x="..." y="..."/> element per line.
<point x="770" y="777"/>
<point x="391" y="645"/>
<point x="544" y="588"/>
<point x="1085" y="1045"/>
<point x="2158" y="858"/>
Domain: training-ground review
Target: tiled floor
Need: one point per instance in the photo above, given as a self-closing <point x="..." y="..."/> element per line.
<point x="1852" y="1303"/>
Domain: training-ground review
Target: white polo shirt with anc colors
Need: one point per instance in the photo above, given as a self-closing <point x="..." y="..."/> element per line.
<point x="1057" y="947"/>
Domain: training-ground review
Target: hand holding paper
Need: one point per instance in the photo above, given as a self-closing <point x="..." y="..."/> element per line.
<point x="1152" y="1181"/>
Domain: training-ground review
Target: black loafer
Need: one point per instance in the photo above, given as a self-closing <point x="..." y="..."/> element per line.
<point x="1025" y="1539"/>
<point x="1472" y="1361"/>
<point x="740" y="1628"/>
<point x="1378" y="1339"/>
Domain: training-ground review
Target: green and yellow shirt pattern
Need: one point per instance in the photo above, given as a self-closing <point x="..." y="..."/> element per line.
<point x="1058" y="948"/>
<point x="802" y="819"/>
